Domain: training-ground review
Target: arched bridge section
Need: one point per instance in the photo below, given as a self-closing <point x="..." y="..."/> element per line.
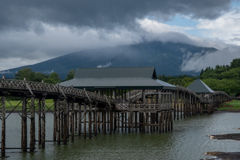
<point x="90" y="112"/>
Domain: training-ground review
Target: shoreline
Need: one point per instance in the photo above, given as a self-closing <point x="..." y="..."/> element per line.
<point x="229" y="110"/>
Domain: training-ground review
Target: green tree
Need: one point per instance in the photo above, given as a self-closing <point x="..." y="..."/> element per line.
<point x="27" y="73"/>
<point x="39" y="76"/>
<point x="235" y="63"/>
<point x="54" y="78"/>
<point x="70" y="75"/>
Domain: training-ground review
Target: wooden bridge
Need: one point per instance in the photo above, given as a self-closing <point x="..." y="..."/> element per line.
<point x="91" y="112"/>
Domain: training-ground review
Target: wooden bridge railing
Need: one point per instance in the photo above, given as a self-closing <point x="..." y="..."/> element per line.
<point x="13" y="84"/>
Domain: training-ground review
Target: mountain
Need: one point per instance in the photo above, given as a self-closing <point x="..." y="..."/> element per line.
<point x="165" y="57"/>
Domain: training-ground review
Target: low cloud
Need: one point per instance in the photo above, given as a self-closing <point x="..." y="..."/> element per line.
<point x="200" y="61"/>
<point x="48" y="72"/>
<point x="5" y="72"/>
<point x="108" y="64"/>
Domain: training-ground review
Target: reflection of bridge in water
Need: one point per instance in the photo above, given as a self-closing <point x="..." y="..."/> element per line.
<point x="87" y="113"/>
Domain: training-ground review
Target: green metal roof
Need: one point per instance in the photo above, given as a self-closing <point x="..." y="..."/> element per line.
<point x="199" y="86"/>
<point x="117" y="78"/>
<point x="144" y="72"/>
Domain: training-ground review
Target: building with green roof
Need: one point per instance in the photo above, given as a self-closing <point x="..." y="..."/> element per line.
<point x="200" y="87"/>
<point x="117" y="78"/>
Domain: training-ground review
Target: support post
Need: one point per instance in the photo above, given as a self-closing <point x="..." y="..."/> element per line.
<point x="84" y="127"/>
<point x="104" y="121"/>
<point x="65" y="122"/>
<point x="58" y="122"/>
<point x="54" y="121"/>
<point x="72" y="121"/>
<point x="143" y="122"/>
<point x="32" y="125"/>
<point x="79" y="119"/>
<point x="90" y="121"/>
<point x="75" y="120"/>
<point x="118" y="119"/>
<point x="40" y="124"/>
<point x="95" y="121"/>
<point x="3" y="145"/>
<point x="43" y="122"/>
<point x="111" y="121"/>
<point x="24" y="125"/>
<point x="122" y="121"/>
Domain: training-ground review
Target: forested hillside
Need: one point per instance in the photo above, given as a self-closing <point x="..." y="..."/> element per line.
<point x="222" y="78"/>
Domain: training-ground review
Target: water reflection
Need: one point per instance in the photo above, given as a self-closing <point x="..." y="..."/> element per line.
<point x="188" y="140"/>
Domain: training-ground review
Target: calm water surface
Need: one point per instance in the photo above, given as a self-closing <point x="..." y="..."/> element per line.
<point x="187" y="141"/>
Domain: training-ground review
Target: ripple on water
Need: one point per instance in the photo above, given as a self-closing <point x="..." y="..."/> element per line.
<point x="188" y="140"/>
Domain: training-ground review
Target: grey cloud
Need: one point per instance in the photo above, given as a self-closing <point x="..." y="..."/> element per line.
<point x="15" y="14"/>
<point x="235" y="39"/>
<point x="200" y="61"/>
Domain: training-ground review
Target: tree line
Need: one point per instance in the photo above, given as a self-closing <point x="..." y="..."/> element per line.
<point x="52" y="78"/>
<point x="222" y="78"/>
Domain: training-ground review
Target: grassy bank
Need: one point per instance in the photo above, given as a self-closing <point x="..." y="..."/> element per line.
<point x="8" y="105"/>
<point x="233" y="105"/>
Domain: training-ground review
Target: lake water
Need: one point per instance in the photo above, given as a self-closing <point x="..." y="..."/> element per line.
<point x="187" y="141"/>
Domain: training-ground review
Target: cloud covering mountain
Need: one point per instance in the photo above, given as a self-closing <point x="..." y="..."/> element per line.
<point x="35" y="31"/>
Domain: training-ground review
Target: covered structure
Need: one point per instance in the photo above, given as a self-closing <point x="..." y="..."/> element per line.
<point x="130" y="87"/>
<point x="137" y="93"/>
<point x="200" y="87"/>
<point x="117" y="78"/>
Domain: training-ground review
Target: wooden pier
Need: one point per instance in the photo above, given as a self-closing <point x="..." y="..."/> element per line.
<point x="78" y="112"/>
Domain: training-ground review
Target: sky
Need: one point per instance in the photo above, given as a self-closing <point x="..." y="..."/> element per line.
<point x="33" y="31"/>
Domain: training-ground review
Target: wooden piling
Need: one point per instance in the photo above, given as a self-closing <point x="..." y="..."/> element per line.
<point x="84" y="124"/>
<point x="136" y="121"/>
<point x="24" y="125"/>
<point x="43" y="122"/>
<point x="79" y="119"/>
<point x="72" y="121"/>
<point x="118" y="121"/>
<point x="159" y="123"/>
<point x="95" y="121"/>
<point x="3" y="144"/>
<point x="104" y="121"/>
<point x="62" y="123"/>
<point x="65" y="109"/>
<point x="54" y="122"/>
<point x="99" y="120"/>
<point x="146" y="124"/>
<point x="40" y="123"/>
<point x="143" y="122"/>
<point x="122" y="118"/>
<point x="32" y="128"/>
<point x="126" y="122"/>
<point x="58" y="122"/>
<point x="129" y="121"/>
<point x="111" y="121"/>
<point x="75" y="120"/>
<point x="114" y="121"/>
